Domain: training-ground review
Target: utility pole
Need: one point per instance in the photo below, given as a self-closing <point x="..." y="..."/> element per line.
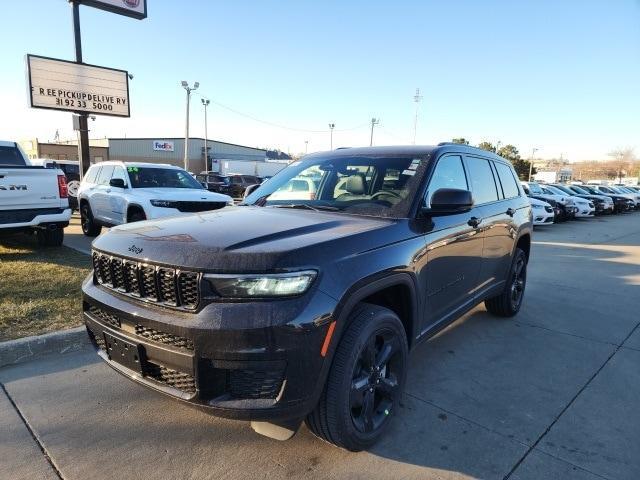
<point x="374" y="122"/>
<point x="533" y="152"/>
<point x="83" y="124"/>
<point x="416" y="98"/>
<point x="206" y="145"/>
<point x="185" y="85"/>
<point x="306" y="146"/>
<point x="331" y="127"/>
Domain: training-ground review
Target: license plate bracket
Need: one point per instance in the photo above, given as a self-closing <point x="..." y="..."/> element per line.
<point x="127" y="354"/>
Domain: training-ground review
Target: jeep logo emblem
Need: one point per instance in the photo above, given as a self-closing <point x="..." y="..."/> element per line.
<point x="136" y="250"/>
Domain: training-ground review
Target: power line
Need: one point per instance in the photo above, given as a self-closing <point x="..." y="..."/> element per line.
<point x="277" y="125"/>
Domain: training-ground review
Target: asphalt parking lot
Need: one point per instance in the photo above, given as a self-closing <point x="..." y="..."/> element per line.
<point x="551" y="394"/>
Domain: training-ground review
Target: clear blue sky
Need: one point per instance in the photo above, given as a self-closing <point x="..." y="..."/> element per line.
<point x="563" y="76"/>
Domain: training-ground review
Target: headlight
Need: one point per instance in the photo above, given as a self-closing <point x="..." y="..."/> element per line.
<point x="256" y="286"/>
<point x="163" y="203"/>
<point x="536" y="206"/>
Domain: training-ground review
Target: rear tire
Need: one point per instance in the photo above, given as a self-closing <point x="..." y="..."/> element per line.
<point x="365" y="382"/>
<point x="50" y="238"/>
<point x="508" y="303"/>
<point x="89" y="227"/>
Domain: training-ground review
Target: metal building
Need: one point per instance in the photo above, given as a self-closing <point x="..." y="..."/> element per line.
<point x="171" y="151"/>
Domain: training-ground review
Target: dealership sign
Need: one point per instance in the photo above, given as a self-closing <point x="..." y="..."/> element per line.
<point x="131" y="8"/>
<point x="77" y="87"/>
<point x="163" y="146"/>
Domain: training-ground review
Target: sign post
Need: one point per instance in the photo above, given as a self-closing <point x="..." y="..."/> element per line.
<point x="83" y="131"/>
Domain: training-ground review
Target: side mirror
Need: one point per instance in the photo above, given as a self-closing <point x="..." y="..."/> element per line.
<point x="117" y="182"/>
<point x="449" y="201"/>
<point x="249" y="190"/>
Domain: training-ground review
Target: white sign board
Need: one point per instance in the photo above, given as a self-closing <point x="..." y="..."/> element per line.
<point x="163" y="146"/>
<point x="131" y="8"/>
<point x="77" y="87"/>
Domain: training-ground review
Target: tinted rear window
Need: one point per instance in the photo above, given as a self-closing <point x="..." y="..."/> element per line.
<point x="509" y="185"/>
<point x="11" y="156"/>
<point x="483" y="185"/>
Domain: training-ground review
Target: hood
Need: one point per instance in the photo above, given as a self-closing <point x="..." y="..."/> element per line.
<point x="246" y="239"/>
<point x="186" y="194"/>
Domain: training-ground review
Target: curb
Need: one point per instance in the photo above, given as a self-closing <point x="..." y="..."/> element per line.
<point x="27" y="349"/>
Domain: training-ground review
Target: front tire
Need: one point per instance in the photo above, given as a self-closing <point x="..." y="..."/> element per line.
<point x="508" y="303"/>
<point x="136" y="216"/>
<point x="89" y="227"/>
<point x="365" y="382"/>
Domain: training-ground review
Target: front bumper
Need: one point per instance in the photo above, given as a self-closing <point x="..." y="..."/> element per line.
<point x="542" y="217"/>
<point x="263" y="373"/>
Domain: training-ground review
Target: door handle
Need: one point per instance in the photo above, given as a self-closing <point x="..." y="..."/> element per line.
<point x="474" y="222"/>
<point x="511" y="212"/>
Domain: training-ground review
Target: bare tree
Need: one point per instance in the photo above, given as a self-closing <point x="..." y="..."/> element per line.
<point x="623" y="158"/>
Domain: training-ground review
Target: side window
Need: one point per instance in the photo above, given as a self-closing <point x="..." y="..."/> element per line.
<point x="509" y="185"/>
<point x="449" y="173"/>
<point x="483" y="185"/>
<point x="105" y="175"/>
<point x="91" y="175"/>
<point x="118" y="172"/>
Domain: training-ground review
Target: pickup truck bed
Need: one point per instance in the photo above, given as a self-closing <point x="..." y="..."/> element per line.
<point x="32" y="199"/>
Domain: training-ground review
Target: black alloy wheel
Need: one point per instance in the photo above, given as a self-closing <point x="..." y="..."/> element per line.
<point x="375" y="387"/>
<point x="518" y="282"/>
<point x="365" y="382"/>
<point x="508" y="303"/>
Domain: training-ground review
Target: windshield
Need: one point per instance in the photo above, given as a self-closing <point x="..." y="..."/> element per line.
<point x="535" y="189"/>
<point x="149" y="177"/>
<point x="564" y="189"/>
<point x="372" y="185"/>
<point x="553" y="191"/>
<point x="580" y="190"/>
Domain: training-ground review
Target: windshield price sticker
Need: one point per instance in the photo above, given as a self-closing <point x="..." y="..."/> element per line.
<point x="415" y="163"/>
<point x="132" y="169"/>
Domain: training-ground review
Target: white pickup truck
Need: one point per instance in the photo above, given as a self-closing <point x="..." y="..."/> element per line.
<point x="32" y="199"/>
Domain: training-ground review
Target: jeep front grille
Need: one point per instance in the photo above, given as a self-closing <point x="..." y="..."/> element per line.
<point x="161" y="285"/>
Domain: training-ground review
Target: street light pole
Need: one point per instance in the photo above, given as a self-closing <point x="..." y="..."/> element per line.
<point x="206" y="145"/>
<point x="416" y="98"/>
<point x="533" y="152"/>
<point x="185" y="85"/>
<point x="331" y="127"/>
<point x="306" y="146"/>
<point x="374" y="122"/>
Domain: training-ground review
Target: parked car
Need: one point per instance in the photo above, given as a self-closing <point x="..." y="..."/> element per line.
<point x="620" y="203"/>
<point x="543" y="213"/>
<point x="598" y="202"/>
<point x="239" y="184"/>
<point x="608" y="205"/>
<point x="71" y="171"/>
<point x="611" y="191"/>
<point x="33" y="199"/>
<point x="298" y="188"/>
<point x="215" y="182"/>
<point x="635" y="196"/>
<point x="287" y="309"/>
<point x="564" y="202"/>
<point x="584" y="206"/>
<point x="113" y="193"/>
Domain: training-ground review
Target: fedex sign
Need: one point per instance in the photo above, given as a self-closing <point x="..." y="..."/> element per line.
<point x="163" y="146"/>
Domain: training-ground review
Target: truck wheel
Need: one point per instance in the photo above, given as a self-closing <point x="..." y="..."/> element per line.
<point x="508" y="303"/>
<point x="136" y="216"/>
<point x="50" y="238"/>
<point x="365" y="381"/>
<point x="89" y="227"/>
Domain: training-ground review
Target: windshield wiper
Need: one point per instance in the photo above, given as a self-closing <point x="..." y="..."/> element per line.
<point x="306" y="206"/>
